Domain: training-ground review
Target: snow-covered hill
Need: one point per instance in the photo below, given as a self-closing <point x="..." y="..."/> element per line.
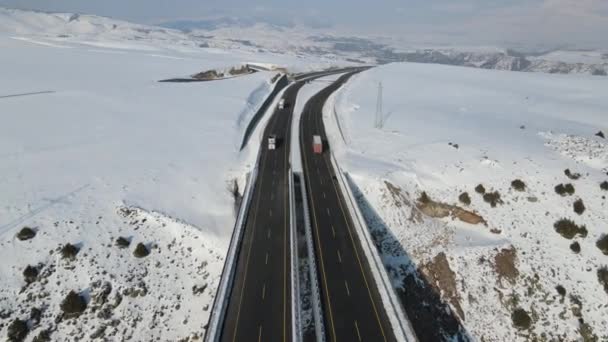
<point x="502" y="258"/>
<point x="98" y="157"/>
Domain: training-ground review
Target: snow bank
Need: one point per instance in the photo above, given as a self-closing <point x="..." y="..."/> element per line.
<point x="448" y="129"/>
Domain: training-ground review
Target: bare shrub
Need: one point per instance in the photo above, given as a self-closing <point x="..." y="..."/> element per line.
<point x="480" y="189"/>
<point x="30" y="274"/>
<point x="604" y="185"/>
<point x="17" y="330"/>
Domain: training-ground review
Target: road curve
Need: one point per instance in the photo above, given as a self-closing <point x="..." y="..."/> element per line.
<point x="351" y="302"/>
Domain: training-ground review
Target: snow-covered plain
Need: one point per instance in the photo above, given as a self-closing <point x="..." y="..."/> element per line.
<point x="448" y="129"/>
<point x="93" y="148"/>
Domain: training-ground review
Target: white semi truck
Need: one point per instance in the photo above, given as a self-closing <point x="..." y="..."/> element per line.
<point x="272" y="142"/>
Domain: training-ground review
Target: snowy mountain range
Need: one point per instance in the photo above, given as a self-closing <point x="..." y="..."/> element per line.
<point x="292" y="39"/>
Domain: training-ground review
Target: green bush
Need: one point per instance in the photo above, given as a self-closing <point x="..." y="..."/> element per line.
<point x="573" y="176"/>
<point x="26" y="233"/>
<point x="141" y="251"/>
<point x="602" y="277"/>
<point x="30" y="273"/>
<point x="602" y="244"/>
<point x="493" y="198"/>
<point x="568" y="229"/>
<point x="575" y="247"/>
<point x="17" y="330"/>
<point x="122" y="242"/>
<point x="73" y="305"/>
<point x="464" y="198"/>
<point x="518" y="185"/>
<point x="579" y="206"/>
<point x="564" y="189"/>
<point x="69" y="251"/>
<point x="521" y="319"/>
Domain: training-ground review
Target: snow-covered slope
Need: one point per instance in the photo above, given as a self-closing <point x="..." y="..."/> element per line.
<point x="94" y="148"/>
<point x="448" y="129"/>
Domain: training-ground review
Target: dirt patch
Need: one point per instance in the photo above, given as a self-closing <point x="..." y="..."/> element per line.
<point x="440" y="210"/>
<point x="443" y="279"/>
<point x="402" y="201"/>
<point x="505" y="265"/>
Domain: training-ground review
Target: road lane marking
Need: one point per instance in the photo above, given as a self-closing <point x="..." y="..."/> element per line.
<point x="266" y="258"/>
<point x="260" y="334"/>
<point x="272" y="196"/>
<point x="268" y="233"/>
<point x="324" y="194"/>
<point x="339" y="256"/>
<point x="255" y="216"/>
<point x="347" y="289"/>
<point x="352" y="239"/>
<point x="328" y="213"/>
<point x="264" y="291"/>
<point x="333" y="231"/>
<point x="270" y="212"/>
<point x="357" y="329"/>
<point x="321" y="179"/>
<point x="316" y="227"/>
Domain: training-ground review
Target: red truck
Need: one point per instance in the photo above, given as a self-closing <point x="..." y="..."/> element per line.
<point x="317" y="144"/>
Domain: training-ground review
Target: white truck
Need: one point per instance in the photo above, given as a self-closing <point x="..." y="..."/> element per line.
<point x="272" y="142"/>
<point x="282" y="104"/>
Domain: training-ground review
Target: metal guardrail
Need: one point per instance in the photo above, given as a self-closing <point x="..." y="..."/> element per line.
<point x="220" y="303"/>
<point x="296" y="325"/>
<point x="279" y="85"/>
<point x="317" y="309"/>
<point x="401" y="325"/>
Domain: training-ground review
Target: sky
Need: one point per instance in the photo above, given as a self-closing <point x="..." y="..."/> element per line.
<point x="540" y="23"/>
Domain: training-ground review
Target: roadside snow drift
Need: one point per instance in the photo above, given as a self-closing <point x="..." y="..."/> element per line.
<point x="518" y="258"/>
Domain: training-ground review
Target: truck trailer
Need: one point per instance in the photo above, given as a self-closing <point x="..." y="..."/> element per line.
<point x="317" y="144"/>
<point x="272" y="142"/>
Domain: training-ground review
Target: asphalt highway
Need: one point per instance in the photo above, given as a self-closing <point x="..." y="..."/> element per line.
<point x="259" y="306"/>
<point x="351" y="302"/>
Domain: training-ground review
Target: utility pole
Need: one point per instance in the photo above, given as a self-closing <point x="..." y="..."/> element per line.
<point x="379" y="117"/>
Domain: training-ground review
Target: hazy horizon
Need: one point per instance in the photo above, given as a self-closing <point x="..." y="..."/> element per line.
<point x="525" y="23"/>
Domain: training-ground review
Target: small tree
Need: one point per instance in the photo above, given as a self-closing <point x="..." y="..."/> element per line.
<point x="480" y="189"/>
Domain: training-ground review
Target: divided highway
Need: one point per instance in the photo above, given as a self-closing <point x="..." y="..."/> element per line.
<point x="259" y="305"/>
<point x="351" y="302"/>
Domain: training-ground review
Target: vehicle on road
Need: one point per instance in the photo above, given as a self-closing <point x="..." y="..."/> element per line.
<point x="282" y="104"/>
<point x="272" y="142"/>
<point x="317" y="144"/>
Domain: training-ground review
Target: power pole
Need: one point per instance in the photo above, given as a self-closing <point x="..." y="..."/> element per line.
<point x="379" y="117"/>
